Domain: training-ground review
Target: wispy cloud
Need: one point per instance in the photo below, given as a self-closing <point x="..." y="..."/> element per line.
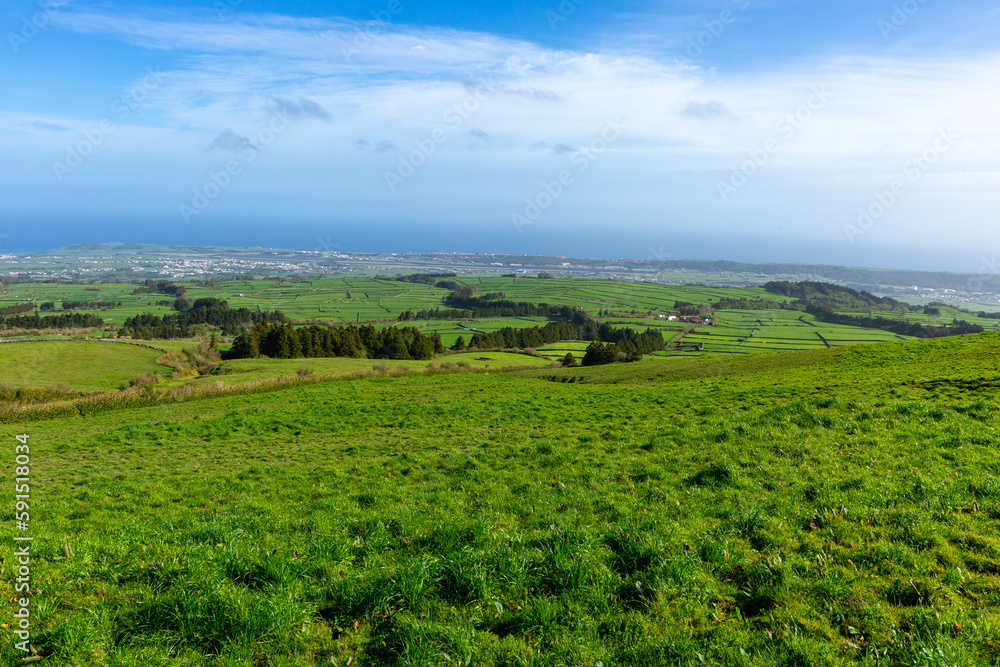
<point x="230" y="141"/>
<point x="709" y="110"/>
<point x="302" y="108"/>
<point x="558" y="149"/>
<point x="503" y="95"/>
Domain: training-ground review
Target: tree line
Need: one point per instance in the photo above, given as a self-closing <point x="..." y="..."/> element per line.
<point x="627" y="340"/>
<point x="283" y="341"/>
<point x="16" y="309"/>
<point x="63" y="321"/>
<point x="495" y="305"/>
<point x="82" y="305"/>
<point x="208" y="311"/>
<point x="160" y="287"/>
<point x="421" y="278"/>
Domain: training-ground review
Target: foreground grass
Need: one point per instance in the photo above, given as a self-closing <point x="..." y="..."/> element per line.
<point x="803" y="509"/>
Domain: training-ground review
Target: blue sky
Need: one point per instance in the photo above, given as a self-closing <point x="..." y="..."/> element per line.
<point x="850" y="132"/>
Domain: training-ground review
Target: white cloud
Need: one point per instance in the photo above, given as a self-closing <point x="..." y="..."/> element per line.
<point x="396" y="84"/>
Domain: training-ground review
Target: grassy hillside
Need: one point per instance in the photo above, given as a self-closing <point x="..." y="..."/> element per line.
<point x="89" y="366"/>
<point x="832" y="507"/>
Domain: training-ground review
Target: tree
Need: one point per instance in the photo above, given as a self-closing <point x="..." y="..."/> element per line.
<point x="460" y="344"/>
<point x="569" y="360"/>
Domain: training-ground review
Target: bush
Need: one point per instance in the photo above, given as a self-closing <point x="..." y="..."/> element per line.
<point x="143" y="380"/>
<point x="304" y="372"/>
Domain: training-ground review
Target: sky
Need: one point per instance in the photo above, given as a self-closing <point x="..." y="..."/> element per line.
<point x="854" y="132"/>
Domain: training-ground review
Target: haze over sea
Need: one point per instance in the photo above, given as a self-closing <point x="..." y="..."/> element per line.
<point x="367" y="237"/>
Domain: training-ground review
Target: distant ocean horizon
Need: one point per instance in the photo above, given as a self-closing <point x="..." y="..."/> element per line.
<point x="395" y="238"/>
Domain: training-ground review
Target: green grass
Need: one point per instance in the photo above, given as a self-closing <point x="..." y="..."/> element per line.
<point x="87" y="366"/>
<point x="834" y="507"/>
<point x="243" y="370"/>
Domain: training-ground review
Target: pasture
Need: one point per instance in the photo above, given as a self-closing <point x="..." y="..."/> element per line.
<point x="828" y="507"/>
<point x="86" y="366"/>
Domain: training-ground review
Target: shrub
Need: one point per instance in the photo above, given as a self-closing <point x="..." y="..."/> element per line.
<point x="144" y="380"/>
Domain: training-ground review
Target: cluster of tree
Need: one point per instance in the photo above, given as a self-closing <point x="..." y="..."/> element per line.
<point x="627" y="340"/>
<point x="421" y="278"/>
<point x="509" y="337"/>
<point x="64" y="321"/>
<point x="435" y="314"/>
<point x="835" y="297"/>
<point x="599" y="354"/>
<point x="897" y="326"/>
<point x="90" y="305"/>
<point x="686" y="308"/>
<point x="494" y="305"/>
<point x="988" y="316"/>
<point x="16" y="310"/>
<point x="160" y="287"/>
<point x="283" y="341"/>
<point x="749" y="304"/>
<point x="208" y="311"/>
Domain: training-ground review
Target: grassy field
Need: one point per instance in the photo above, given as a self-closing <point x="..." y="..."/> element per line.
<point x="827" y="507"/>
<point x="243" y="370"/>
<point x="88" y="366"/>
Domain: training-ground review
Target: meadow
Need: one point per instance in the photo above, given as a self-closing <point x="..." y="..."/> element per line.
<point x="88" y="366"/>
<point x="826" y="507"/>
